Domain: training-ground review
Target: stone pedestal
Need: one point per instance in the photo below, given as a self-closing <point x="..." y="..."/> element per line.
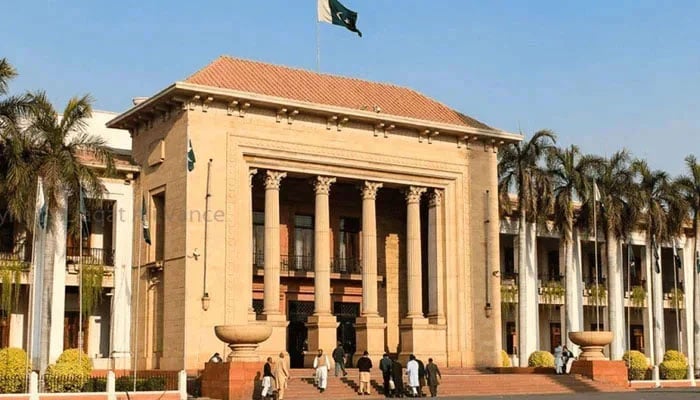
<point x="423" y="340"/>
<point x="369" y="331"/>
<point x="235" y="380"/>
<point x="614" y="372"/>
<point x="322" y="335"/>
<point x="278" y="339"/>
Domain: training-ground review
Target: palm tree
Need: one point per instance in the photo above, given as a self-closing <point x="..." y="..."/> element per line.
<point x="12" y="108"/>
<point x="657" y="197"/>
<point x="571" y="173"/>
<point x="519" y="169"/>
<point x="620" y="208"/>
<point x="690" y="187"/>
<point x="59" y="144"/>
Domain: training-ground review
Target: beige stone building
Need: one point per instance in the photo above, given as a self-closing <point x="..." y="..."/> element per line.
<point x="329" y="208"/>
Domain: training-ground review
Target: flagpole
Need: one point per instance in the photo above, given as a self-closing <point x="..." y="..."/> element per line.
<point x="629" y="289"/>
<point x="138" y="290"/>
<point x="80" y="275"/>
<point x="595" y="240"/>
<point x="318" y="47"/>
<point x="675" y="295"/>
<point x="32" y="270"/>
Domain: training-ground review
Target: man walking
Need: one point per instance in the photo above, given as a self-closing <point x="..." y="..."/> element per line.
<point x="339" y="359"/>
<point x="421" y="377"/>
<point x="321" y="365"/>
<point x="281" y="372"/>
<point x="385" y="367"/>
<point x="267" y="378"/>
<point x="412" y="373"/>
<point x="364" y="364"/>
<point x="432" y="372"/>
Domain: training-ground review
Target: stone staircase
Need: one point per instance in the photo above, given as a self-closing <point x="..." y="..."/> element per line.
<point x="455" y="382"/>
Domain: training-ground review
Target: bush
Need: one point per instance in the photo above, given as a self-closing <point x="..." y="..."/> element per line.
<point x="13" y="370"/>
<point x="637" y="365"/>
<point x="126" y="384"/>
<point x="674" y="366"/>
<point x="505" y="360"/>
<point x="541" y="358"/>
<point x="70" y="373"/>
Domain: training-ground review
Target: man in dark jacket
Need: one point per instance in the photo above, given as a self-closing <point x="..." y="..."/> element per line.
<point x="397" y="377"/>
<point x="385" y="367"/>
<point x="432" y="373"/>
<point x="339" y="359"/>
<point x="267" y="378"/>
<point x="421" y="377"/>
<point x="364" y="364"/>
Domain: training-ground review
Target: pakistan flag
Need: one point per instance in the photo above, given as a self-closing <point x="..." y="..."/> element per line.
<point x="333" y="12"/>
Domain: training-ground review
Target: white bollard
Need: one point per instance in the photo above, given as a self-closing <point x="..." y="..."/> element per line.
<point x="655" y="376"/>
<point x="33" y="386"/>
<point x="111" y="385"/>
<point x="182" y="384"/>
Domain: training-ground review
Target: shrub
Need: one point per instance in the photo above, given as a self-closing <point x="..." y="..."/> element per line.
<point x="674" y="366"/>
<point x="126" y="384"/>
<point x="505" y="360"/>
<point x="70" y="373"/>
<point x="541" y="358"/>
<point x="637" y="365"/>
<point x="13" y="370"/>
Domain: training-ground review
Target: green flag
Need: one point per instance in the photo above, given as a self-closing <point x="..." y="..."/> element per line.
<point x="144" y="223"/>
<point x="332" y="12"/>
<point x="191" y="159"/>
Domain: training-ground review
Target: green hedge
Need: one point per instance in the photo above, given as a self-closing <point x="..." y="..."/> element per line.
<point x="637" y="365"/>
<point x="13" y="370"/>
<point x="674" y="366"/>
<point x="505" y="360"/>
<point x="70" y="373"/>
<point x="126" y="384"/>
<point x="541" y="358"/>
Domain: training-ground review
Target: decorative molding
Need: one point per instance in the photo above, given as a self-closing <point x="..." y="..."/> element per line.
<point x="232" y="107"/>
<point x="370" y="189"/>
<point x="236" y="105"/>
<point x="193" y="102"/>
<point x="341" y="123"/>
<point x="432" y="135"/>
<point x="330" y="121"/>
<point x="291" y="115"/>
<point x="251" y="175"/>
<point x="413" y="194"/>
<point x="322" y="184"/>
<point x="435" y="198"/>
<point x="423" y="134"/>
<point x="273" y="179"/>
<point x="280" y="114"/>
<point x="388" y="129"/>
<point x="379" y="128"/>
<point x="206" y="103"/>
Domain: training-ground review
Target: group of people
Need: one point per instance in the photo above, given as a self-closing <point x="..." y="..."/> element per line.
<point x="419" y="375"/>
<point x="275" y="378"/>
<point x="563" y="358"/>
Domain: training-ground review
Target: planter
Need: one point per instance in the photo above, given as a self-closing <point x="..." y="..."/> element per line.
<point x="243" y="339"/>
<point x="592" y="343"/>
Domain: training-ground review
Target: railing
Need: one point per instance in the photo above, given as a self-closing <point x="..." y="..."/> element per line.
<point x="90" y="255"/>
<point x="296" y="263"/>
<point x="346" y="265"/>
<point x="259" y="259"/>
<point x="18" y="254"/>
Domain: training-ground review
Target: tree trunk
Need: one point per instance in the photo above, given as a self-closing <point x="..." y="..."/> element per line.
<point x="657" y="300"/>
<point x="696" y="302"/>
<point x="527" y="290"/>
<point x="572" y="307"/>
<point x="616" y="306"/>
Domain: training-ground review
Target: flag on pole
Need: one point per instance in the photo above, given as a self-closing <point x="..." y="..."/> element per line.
<point x="41" y="207"/>
<point x="83" y="214"/>
<point x="657" y="256"/>
<point x="697" y="261"/>
<point x="191" y="159"/>
<point x="676" y="258"/>
<point x="144" y="223"/>
<point x="631" y="262"/>
<point x="332" y="12"/>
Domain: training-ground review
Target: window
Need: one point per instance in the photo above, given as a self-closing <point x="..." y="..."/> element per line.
<point x="159" y="218"/>
<point x="6" y="235"/>
<point x="508" y="262"/>
<point x="591" y="268"/>
<point x="303" y="242"/>
<point x="553" y="265"/>
<point x="637" y="337"/>
<point x="71" y="330"/>
<point x="554" y="335"/>
<point x="348" y="245"/>
<point x="511" y="338"/>
<point x="258" y="238"/>
<point x="4" y="330"/>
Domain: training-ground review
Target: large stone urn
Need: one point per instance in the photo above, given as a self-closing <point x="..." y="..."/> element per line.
<point x="243" y="339"/>
<point x="592" y="343"/>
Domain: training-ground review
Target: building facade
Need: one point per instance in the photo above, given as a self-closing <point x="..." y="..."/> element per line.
<point x="328" y="208"/>
<point x="106" y="330"/>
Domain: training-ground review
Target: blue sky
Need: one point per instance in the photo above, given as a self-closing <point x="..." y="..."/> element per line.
<point x="603" y="75"/>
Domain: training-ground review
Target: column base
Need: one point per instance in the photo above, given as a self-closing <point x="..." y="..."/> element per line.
<point x="422" y="339"/>
<point x="322" y="334"/>
<point x="278" y="339"/>
<point x="437" y="319"/>
<point x="369" y="333"/>
<point x="602" y="370"/>
<point x="236" y="380"/>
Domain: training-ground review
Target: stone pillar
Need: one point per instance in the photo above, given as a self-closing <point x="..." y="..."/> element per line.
<point x="272" y="243"/>
<point x="436" y="239"/>
<point x="369" y="327"/>
<point x="322" y="324"/>
<point x="528" y="311"/>
<point x="657" y="300"/>
<point x="616" y="306"/>
<point x="248" y="284"/>
<point x="574" y="291"/>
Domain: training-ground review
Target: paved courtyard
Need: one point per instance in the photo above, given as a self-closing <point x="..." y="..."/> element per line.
<point x="661" y="394"/>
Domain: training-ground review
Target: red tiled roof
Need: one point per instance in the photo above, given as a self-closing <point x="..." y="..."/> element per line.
<point x="301" y="85"/>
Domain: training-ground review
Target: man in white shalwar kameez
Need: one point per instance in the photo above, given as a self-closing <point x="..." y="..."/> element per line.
<point x="322" y="364"/>
<point x="412" y="372"/>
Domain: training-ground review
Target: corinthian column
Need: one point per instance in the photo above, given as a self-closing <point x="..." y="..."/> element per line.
<point x="272" y="242"/>
<point x="436" y="303"/>
<point x="413" y="247"/>
<point x="369" y="249"/>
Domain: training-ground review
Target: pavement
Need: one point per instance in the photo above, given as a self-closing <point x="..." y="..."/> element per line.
<point x="656" y="394"/>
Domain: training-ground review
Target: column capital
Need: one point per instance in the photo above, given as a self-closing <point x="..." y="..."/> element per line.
<point x="435" y="197"/>
<point x="251" y="173"/>
<point x="273" y="179"/>
<point x="370" y="189"/>
<point x="413" y="194"/>
<point x="322" y="184"/>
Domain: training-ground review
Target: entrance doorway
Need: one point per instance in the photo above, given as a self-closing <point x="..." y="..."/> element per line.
<point x="554" y="335"/>
<point x="346" y="313"/>
<point x="637" y="337"/>
<point x="297" y="333"/>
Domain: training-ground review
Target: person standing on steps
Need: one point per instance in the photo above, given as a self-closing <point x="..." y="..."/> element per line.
<point x="412" y="373"/>
<point x="339" y="359"/>
<point x="421" y="377"/>
<point x="385" y="367"/>
<point x="364" y="364"/>
<point x="397" y="377"/>
<point x="267" y="379"/>
<point x="432" y="373"/>
<point x="281" y="372"/>
<point x="321" y="365"/>
<point x="558" y="360"/>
